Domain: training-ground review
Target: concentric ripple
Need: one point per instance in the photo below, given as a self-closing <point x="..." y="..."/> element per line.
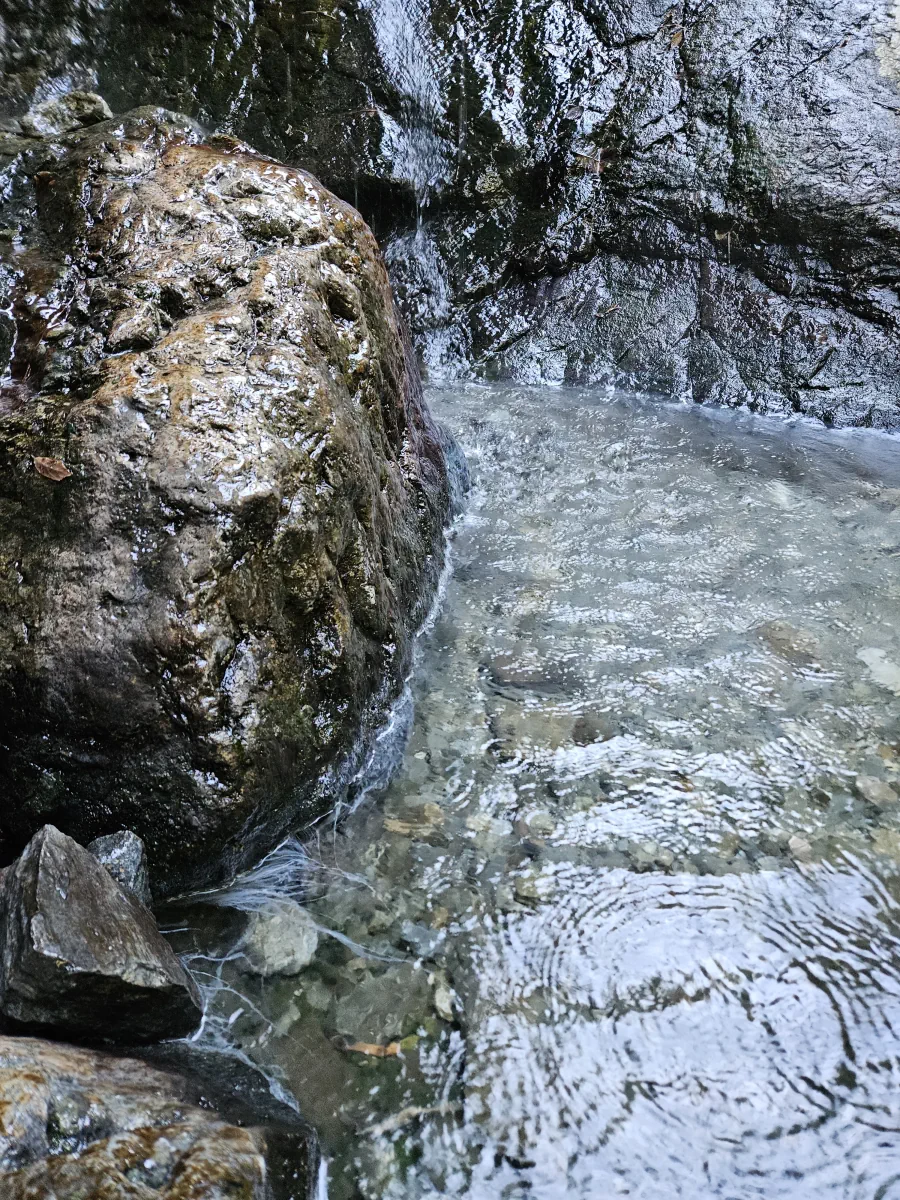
<point x="691" y="1036"/>
<point x="626" y="920"/>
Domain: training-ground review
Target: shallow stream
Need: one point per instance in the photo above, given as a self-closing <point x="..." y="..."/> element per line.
<point x="627" y="919"/>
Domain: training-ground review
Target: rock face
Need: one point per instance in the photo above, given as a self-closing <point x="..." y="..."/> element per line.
<point x="701" y="199"/>
<point x="124" y="857"/>
<point x="221" y="498"/>
<point x="81" y="956"/>
<point x="64" y="113"/>
<point x="75" y="1123"/>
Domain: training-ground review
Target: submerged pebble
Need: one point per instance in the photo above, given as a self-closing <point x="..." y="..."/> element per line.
<point x="280" y="940"/>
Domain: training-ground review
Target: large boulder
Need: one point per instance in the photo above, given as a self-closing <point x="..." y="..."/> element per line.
<point x="221" y="496"/>
<point x="80" y="1123"/>
<point x="82" y="957"/>
<point x="701" y="199"/>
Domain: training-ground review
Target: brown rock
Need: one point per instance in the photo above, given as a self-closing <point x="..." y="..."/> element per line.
<point x="79" y="1123"/>
<point x="202" y="625"/>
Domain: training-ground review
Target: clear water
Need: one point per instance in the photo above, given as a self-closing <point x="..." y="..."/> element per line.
<point x="628" y="917"/>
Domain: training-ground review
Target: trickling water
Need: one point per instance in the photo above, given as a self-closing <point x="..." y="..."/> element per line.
<point x="414" y="148"/>
<point x="627" y="921"/>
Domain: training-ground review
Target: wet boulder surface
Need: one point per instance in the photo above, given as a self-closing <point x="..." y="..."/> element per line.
<point x="221" y="497"/>
<point x="81" y="957"/>
<point x="701" y="200"/>
<point x="83" y="1123"/>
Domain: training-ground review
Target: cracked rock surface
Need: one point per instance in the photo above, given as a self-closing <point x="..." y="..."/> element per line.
<point x="221" y="496"/>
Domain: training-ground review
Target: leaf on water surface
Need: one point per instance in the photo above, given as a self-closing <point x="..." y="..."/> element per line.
<point x="392" y="1124"/>
<point x="52" y="468"/>
<point x="391" y="1050"/>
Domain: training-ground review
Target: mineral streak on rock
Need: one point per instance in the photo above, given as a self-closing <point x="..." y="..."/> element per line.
<point x="216" y="596"/>
<point x="82" y="957"/>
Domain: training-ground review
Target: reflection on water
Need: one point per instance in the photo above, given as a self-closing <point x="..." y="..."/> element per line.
<point x="626" y="922"/>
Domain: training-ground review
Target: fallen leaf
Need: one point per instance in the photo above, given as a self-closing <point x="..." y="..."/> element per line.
<point x="677" y="38"/>
<point x="424" y="820"/>
<point x="391" y="1050"/>
<point x="52" y="468"/>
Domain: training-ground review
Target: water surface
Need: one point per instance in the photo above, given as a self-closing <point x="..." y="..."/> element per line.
<point x="626" y="920"/>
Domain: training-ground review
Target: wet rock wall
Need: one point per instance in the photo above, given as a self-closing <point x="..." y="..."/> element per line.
<point x="700" y="199"/>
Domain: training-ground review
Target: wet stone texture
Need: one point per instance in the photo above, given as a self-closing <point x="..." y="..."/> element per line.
<point x="221" y="497"/>
<point x="702" y="199"/>
<point x="81" y="956"/>
<point x="75" y="1123"/>
<point x="124" y="857"/>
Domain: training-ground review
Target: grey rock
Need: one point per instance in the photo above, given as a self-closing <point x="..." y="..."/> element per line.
<point x="62" y="114"/>
<point x="79" y="1123"/>
<point x="124" y="857"/>
<point x="385" y="1007"/>
<point x="876" y="791"/>
<point x="241" y="528"/>
<point x="422" y="939"/>
<point x="82" y="957"/>
<point x="769" y="862"/>
<point x="801" y="848"/>
<point x="279" y="940"/>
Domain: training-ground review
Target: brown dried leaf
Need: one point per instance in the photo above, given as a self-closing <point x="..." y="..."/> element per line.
<point x="676" y="39"/>
<point x="52" y="468"/>
<point x="374" y="1050"/>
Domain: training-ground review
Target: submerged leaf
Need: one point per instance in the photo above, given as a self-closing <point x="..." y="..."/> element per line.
<point x="373" y="1049"/>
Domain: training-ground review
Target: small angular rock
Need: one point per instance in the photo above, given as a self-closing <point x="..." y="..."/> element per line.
<point x="81" y="957"/>
<point x="124" y="857"/>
